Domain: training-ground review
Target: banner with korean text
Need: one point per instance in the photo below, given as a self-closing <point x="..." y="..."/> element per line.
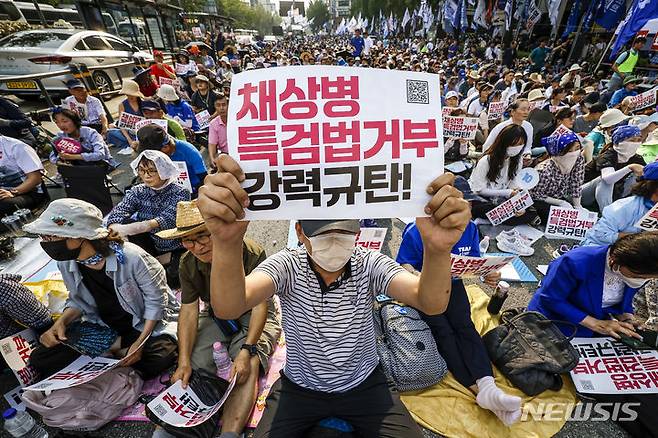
<point x="327" y="142"/>
<point x="649" y="221"/>
<point x="607" y="366"/>
<point x="643" y="100"/>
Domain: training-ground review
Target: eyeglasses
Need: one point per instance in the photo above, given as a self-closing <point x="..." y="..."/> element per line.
<point x="201" y="240"/>
<point x="143" y="171"/>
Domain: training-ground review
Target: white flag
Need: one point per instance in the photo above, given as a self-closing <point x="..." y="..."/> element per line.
<point x="406" y="18"/>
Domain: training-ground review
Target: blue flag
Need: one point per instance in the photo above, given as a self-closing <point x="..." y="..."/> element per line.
<point x="610" y="13"/>
<point x="572" y="21"/>
<point x="592" y="11"/>
<point x="641" y="11"/>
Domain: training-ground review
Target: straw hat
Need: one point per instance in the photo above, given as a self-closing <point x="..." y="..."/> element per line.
<point x="535" y="95"/>
<point x="575" y="67"/>
<point x="536" y="77"/>
<point x="131" y="88"/>
<point x="188" y="221"/>
<point x="473" y="75"/>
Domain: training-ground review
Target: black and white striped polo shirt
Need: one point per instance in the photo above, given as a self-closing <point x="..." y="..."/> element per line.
<point x="330" y="338"/>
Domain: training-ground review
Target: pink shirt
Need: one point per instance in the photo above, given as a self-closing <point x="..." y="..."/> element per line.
<point x="217" y="135"/>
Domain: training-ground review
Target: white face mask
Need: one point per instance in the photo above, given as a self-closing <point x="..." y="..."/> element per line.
<point x="634" y="283"/>
<point x="513" y="151"/>
<point x="626" y="149"/>
<point x="566" y="162"/>
<point x="332" y="251"/>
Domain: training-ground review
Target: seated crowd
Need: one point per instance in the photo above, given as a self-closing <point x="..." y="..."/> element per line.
<point x="123" y="269"/>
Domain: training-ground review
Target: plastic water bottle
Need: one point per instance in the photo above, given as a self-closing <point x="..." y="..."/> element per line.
<point x="222" y="360"/>
<point x="20" y="424"/>
<point x="484" y="245"/>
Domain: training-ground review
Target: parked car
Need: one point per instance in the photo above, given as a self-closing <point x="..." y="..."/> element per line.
<point x="48" y="50"/>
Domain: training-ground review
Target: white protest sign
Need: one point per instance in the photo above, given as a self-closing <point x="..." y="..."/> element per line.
<point x="183" y="176"/>
<point x="527" y="178"/>
<point x="128" y="121"/>
<point x="533" y="17"/>
<point x="16" y="351"/>
<point x="643" y="100"/>
<point x="168" y="81"/>
<point x="649" y="221"/>
<point x="535" y="104"/>
<point x="607" y="366"/>
<point x="84" y="369"/>
<point x="326" y="143"/>
<point x="182" y="69"/>
<point x="183" y="408"/>
<point x="196" y="31"/>
<point x="460" y="127"/>
<point x="447" y="110"/>
<point x="371" y="238"/>
<point x="203" y="119"/>
<point x="569" y="223"/>
<point x="509" y="208"/>
<point x="464" y="266"/>
<point x="496" y="110"/>
<point x="160" y="122"/>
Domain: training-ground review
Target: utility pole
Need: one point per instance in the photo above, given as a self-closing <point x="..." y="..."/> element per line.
<point x="40" y="12"/>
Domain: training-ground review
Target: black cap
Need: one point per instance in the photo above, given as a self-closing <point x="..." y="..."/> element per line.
<point x="74" y="83"/>
<point x="152" y="105"/>
<point x="152" y="137"/>
<point x="314" y="227"/>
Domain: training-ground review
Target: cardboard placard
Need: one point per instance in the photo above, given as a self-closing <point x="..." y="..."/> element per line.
<point x="607" y="366"/>
<point x="460" y="127"/>
<point x="203" y="119"/>
<point x="183" y="176"/>
<point x="293" y="131"/>
<point x="643" y="100"/>
<point x="128" y="121"/>
<point x="569" y="223"/>
<point x="509" y="208"/>
<point x="371" y="238"/>
<point x="16" y="351"/>
<point x="496" y="110"/>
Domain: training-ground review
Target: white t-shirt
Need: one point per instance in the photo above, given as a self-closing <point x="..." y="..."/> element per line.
<point x="478" y="180"/>
<point x="475" y="107"/>
<point x="499" y="127"/>
<point x="16" y="160"/>
<point x="367" y="44"/>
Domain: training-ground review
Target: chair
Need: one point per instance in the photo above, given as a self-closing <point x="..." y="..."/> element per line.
<point x="88" y="183"/>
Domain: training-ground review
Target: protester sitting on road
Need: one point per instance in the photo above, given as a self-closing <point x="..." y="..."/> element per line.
<point x="217" y="139"/>
<point x="160" y="69"/>
<point x="518" y="111"/>
<point x="481" y="102"/>
<point x="610" y="175"/>
<point x="154" y="137"/>
<point x="94" y="148"/>
<point x="590" y="285"/>
<point x="20" y="176"/>
<point x="630" y="84"/>
<point x="183" y="57"/>
<point x="619" y="218"/>
<point x="327" y="288"/>
<point x="89" y="108"/>
<point x="584" y="124"/>
<point x="456" y="338"/>
<point x="147" y="85"/>
<point x="565" y="117"/>
<point x="155" y="110"/>
<point x="204" y="97"/>
<point x="122" y="137"/>
<point x="608" y="122"/>
<point x="110" y="283"/>
<point x="494" y="174"/>
<point x="250" y="339"/>
<point x="15" y="123"/>
<point x="560" y="176"/>
<point x="151" y="207"/>
<point x="19" y="308"/>
<point x="178" y="109"/>
<point x="649" y="148"/>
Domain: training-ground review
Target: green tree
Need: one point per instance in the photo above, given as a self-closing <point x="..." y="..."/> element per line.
<point x="319" y="11"/>
<point x="247" y="17"/>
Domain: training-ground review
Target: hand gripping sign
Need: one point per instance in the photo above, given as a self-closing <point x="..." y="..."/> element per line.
<point x="325" y="142"/>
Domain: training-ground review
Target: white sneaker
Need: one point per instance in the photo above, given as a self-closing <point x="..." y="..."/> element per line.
<point x="125" y="151"/>
<point x="514" y="234"/>
<point x="515" y="245"/>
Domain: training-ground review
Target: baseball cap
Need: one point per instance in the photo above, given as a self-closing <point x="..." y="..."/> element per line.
<point x="151" y="105"/>
<point x="73" y="83"/>
<point x="452" y="94"/>
<point x="315" y="227"/>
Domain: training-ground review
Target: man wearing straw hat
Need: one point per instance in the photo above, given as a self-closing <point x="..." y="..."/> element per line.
<point x="249" y="339"/>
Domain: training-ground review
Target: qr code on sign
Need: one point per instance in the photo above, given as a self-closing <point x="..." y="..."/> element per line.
<point x="587" y="385"/>
<point x="418" y="92"/>
<point x="160" y="410"/>
<point x="6" y="348"/>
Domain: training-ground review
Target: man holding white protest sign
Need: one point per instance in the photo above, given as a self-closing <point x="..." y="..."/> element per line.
<point x="327" y="286"/>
